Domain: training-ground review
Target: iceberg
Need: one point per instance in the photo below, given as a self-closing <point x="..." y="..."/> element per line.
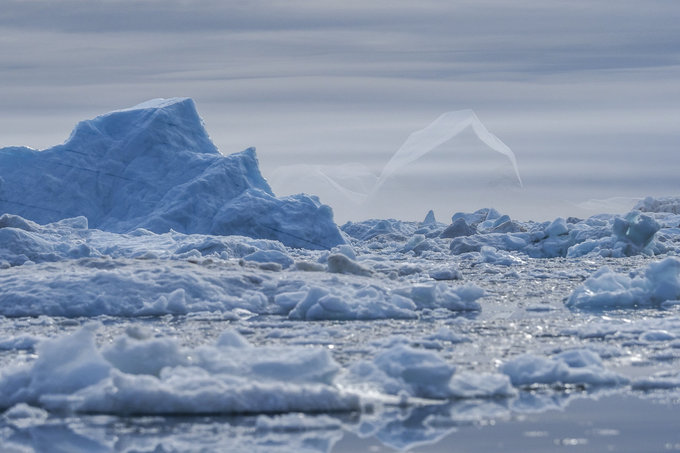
<point x="154" y="166"/>
<point x="441" y="130"/>
<point x="354" y="190"/>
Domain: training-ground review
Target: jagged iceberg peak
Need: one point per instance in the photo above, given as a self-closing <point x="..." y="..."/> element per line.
<point x="158" y="125"/>
<point x="154" y="166"/>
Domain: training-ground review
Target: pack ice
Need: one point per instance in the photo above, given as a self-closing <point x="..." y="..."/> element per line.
<point x="144" y="273"/>
<point x="153" y="166"/>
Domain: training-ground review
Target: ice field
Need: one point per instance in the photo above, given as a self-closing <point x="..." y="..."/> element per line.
<point x="156" y="295"/>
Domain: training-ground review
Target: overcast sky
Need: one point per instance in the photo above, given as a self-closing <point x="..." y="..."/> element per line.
<point x="586" y="93"/>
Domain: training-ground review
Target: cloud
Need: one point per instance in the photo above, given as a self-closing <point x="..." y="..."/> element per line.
<point x="311" y="82"/>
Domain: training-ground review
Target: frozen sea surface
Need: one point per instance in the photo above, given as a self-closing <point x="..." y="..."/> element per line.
<point x="175" y="342"/>
<point x="174" y="331"/>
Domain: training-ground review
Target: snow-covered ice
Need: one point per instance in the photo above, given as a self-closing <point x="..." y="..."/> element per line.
<point x="578" y="366"/>
<point x="157" y="376"/>
<point x="606" y="289"/>
<point x="169" y="294"/>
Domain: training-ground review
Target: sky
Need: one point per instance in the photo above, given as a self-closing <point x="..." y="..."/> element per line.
<point x="585" y="93"/>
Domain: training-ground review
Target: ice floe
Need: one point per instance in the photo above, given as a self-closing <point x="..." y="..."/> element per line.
<point x="608" y="289"/>
<point x="140" y="373"/>
<point x="157" y="376"/>
<point x="578" y="366"/>
<point x="407" y="372"/>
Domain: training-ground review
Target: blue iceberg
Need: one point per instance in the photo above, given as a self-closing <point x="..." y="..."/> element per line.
<point x="154" y="166"/>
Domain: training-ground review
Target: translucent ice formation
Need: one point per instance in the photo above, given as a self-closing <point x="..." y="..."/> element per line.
<point x="438" y="132"/>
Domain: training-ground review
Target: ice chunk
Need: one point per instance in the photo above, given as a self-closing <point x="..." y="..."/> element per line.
<point x="606" y="235"/>
<point x="127" y="288"/>
<point x="145" y="355"/>
<point x="382" y="229"/>
<point x="341" y="264"/>
<point x="637" y="229"/>
<point x="429" y="218"/>
<point x="422" y="373"/>
<point x="441" y="295"/>
<point x="14" y="221"/>
<point x="364" y="302"/>
<point x="403" y="371"/>
<point x="158" y="376"/>
<point x="661" y="204"/>
<point x="19" y="342"/>
<point x="346" y="250"/>
<point x="558" y="227"/>
<point x="481" y="385"/>
<point x="458" y="228"/>
<point x="493" y="256"/>
<point x="662" y="382"/>
<point x="445" y="273"/>
<point x="477" y="217"/>
<point x="606" y="289"/>
<point x="64" y="365"/>
<point x="577" y="366"/>
<point x="445" y="334"/>
<point x="299" y="221"/>
<point x="270" y="256"/>
<point x="657" y="335"/>
<point x="232" y="339"/>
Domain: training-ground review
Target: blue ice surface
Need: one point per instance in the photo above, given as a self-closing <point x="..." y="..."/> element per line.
<point x="154" y="166"/>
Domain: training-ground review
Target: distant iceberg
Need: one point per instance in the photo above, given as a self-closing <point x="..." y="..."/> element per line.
<point x="354" y="190"/>
<point x="441" y="130"/>
<point x="154" y="166"/>
<point x="661" y="204"/>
